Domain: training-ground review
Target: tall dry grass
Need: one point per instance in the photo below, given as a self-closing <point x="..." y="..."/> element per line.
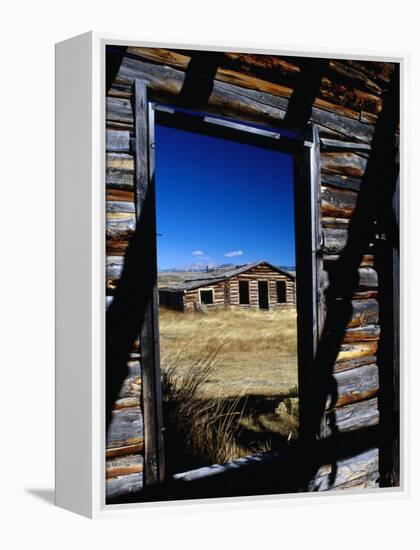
<point x="197" y="431"/>
<point x="212" y="363"/>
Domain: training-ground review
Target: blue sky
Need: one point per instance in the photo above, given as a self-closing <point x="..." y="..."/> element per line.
<point x="220" y="202"/>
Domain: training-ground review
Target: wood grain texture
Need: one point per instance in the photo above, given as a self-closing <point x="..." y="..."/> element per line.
<point x="355" y="385"/>
<point x="124" y="485"/>
<point x="355" y="416"/>
<point x="359" y="471"/>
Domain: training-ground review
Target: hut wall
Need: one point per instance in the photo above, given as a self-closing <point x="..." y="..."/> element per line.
<point x="171" y="299"/>
<point x="346" y="103"/>
<point x="192" y="297"/>
<point x="261" y="273"/>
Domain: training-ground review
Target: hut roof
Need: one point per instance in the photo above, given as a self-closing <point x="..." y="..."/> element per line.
<point x="219" y="275"/>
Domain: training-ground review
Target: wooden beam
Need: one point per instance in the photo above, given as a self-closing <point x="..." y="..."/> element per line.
<point x="149" y="333"/>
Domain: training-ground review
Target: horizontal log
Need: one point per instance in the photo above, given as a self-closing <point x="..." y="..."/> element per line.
<point x="355" y="385"/>
<point x="120" y="162"/>
<point x="120" y="195"/>
<point x="380" y="71"/>
<point x="114" y="267"/>
<point x="119" y="110"/>
<point x="271" y="74"/>
<point x="335" y="240"/>
<point x="367" y="117"/>
<point x="123" y="485"/>
<point x="124" y="450"/>
<point x="122" y="466"/>
<point x="368" y="279"/>
<point x="236" y="101"/>
<point x="341" y="181"/>
<point x="344" y="69"/>
<point x="120" y="207"/>
<point x="125" y="126"/>
<point x="347" y="87"/>
<point x="335" y="223"/>
<point x="352" y="351"/>
<point x="353" y="363"/>
<point x="360" y="470"/>
<point x="334" y="145"/>
<point x="120" y="180"/>
<point x="364" y="312"/>
<point x="365" y="295"/>
<point x="120" y="171"/>
<point x="355" y="416"/>
<point x="226" y="73"/>
<point x="362" y="334"/>
<point x="120" y="228"/>
<point x="117" y="141"/>
<point x="126" y="428"/>
<point x="116" y="248"/>
<point x="347" y="164"/>
<point x="337" y="203"/>
<point x="128" y="401"/>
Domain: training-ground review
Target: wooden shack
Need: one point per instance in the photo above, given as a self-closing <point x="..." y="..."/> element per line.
<point x="255" y="285"/>
<point x="348" y="111"/>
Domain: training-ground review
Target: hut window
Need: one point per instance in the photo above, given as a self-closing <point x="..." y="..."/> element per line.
<point x="244" y="292"/>
<point x="206" y="297"/>
<point x="281" y="292"/>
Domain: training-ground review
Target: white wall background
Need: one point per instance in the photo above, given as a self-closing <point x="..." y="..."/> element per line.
<point x="28" y="33"/>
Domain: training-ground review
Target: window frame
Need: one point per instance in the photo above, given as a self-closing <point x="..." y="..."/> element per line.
<point x="284" y="284"/>
<point x="305" y="148"/>
<point x="205" y="289"/>
<point x="248" y="293"/>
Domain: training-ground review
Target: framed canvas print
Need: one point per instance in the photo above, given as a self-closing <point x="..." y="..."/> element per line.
<point x="227" y="273"/>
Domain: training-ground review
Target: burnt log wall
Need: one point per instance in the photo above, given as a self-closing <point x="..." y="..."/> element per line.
<point x="346" y="104"/>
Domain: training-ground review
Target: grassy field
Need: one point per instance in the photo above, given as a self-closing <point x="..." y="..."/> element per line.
<point x="231" y="374"/>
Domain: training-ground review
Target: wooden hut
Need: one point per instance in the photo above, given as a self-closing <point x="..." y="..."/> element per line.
<point x="255" y="285"/>
<point x="345" y="114"/>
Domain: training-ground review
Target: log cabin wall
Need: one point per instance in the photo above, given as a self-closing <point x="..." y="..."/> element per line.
<point x="261" y="273"/>
<point x="192" y="300"/>
<point x="345" y="99"/>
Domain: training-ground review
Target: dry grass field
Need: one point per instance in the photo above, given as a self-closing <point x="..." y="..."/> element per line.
<point x="229" y="383"/>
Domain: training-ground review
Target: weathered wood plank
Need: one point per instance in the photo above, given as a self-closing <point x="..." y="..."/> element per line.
<point x="124" y="450"/>
<point x="119" y="110"/>
<point x="348" y="164"/>
<point x="335" y="223"/>
<point x="353" y="363"/>
<point x="116" y="247"/>
<point x="120" y="170"/>
<point x="337" y="203"/>
<point x="119" y="195"/>
<point x="364" y="312"/>
<point x="352" y="351"/>
<point x="272" y="74"/>
<point x="122" y="466"/>
<point x="355" y="385"/>
<point x="362" y="334"/>
<point x="120" y="228"/>
<point x="149" y="329"/>
<point x="126" y="427"/>
<point x="124" y="485"/>
<point x="355" y="416"/>
<point x="117" y="141"/>
<point x="238" y="102"/>
<point x="342" y="181"/>
<point x="334" y="145"/>
<point x="360" y="470"/>
<point x="121" y="207"/>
